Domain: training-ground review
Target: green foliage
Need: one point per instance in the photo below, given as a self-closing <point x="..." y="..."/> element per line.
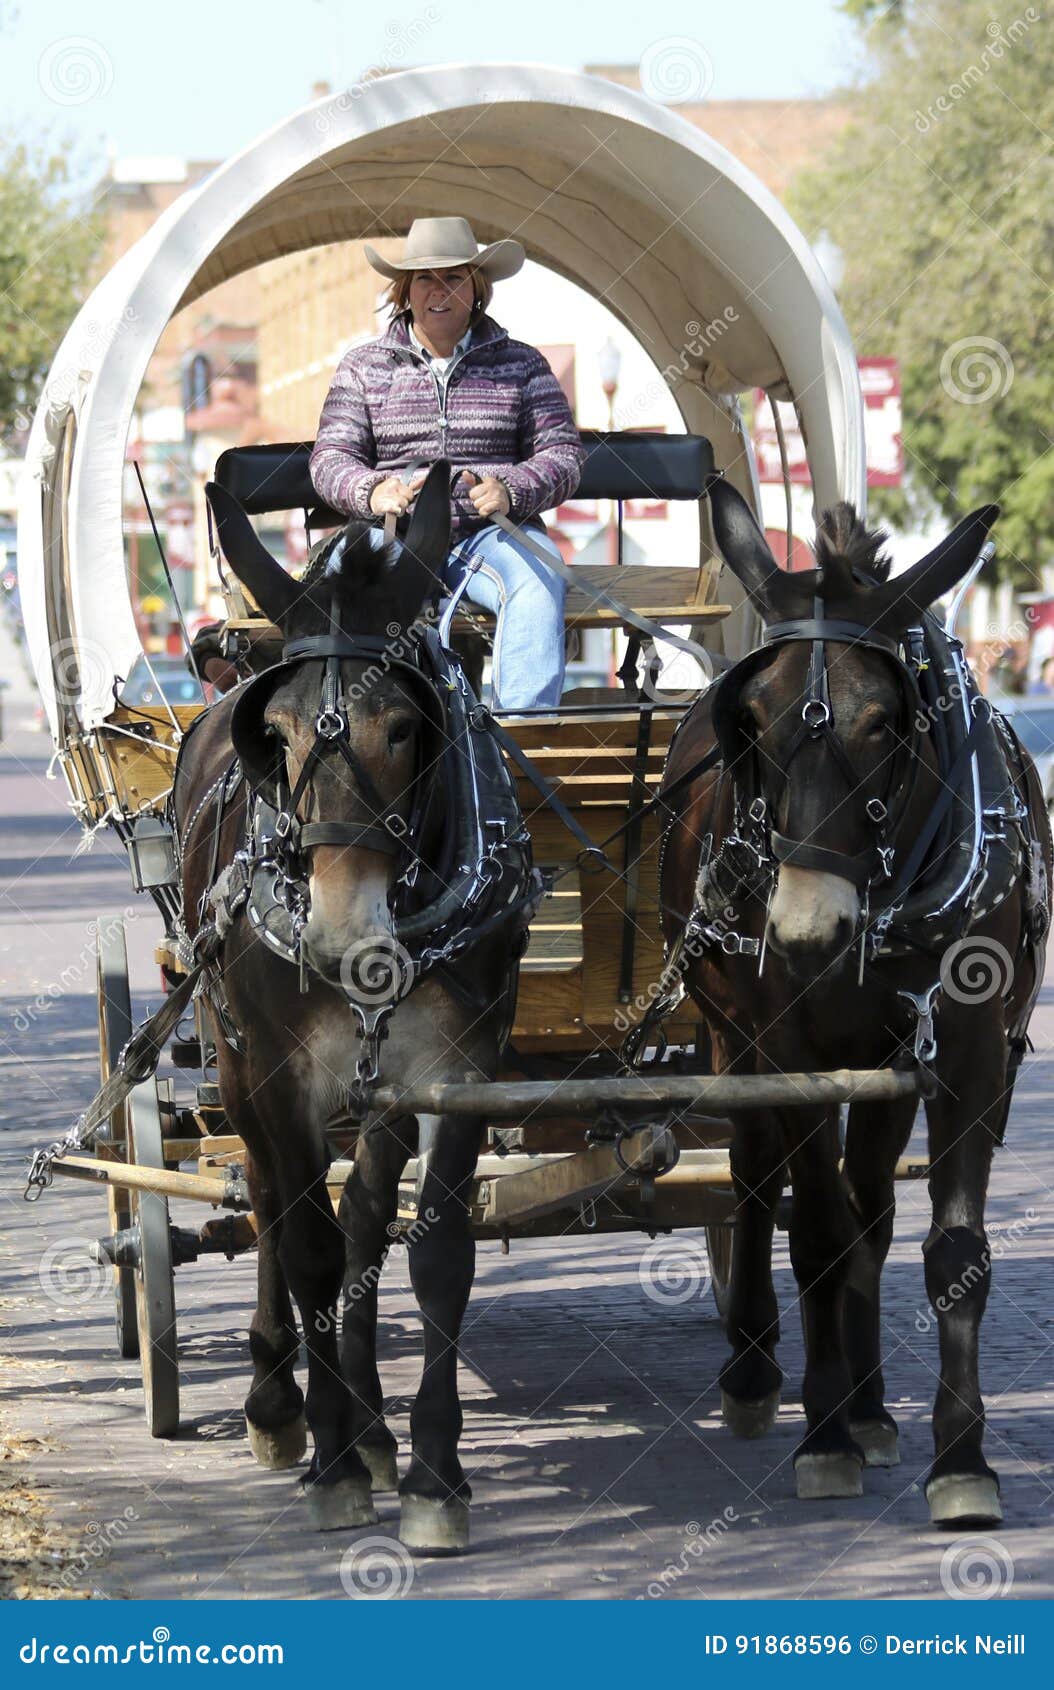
<point x="48" y="243"/>
<point x="880" y="13"/>
<point x="939" y="195"/>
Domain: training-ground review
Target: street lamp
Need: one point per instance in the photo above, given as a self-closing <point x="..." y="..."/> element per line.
<point x="609" y="362"/>
<point x="830" y="258"/>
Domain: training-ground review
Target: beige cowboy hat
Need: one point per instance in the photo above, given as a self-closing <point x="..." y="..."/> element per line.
<point x="443" y="243"/>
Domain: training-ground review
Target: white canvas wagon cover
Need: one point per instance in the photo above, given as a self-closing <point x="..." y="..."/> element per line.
<point x="602" y="185"/>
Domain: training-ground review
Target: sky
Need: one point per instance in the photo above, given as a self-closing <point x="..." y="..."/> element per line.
<point x="101" y="76"/>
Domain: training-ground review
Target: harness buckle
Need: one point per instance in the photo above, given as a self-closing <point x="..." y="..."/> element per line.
<point x="330" y="724"/>
<point x="283" y="824"/>
<point x="739" y="944"/>
<point x="876" y="811"/>
<point x="922" y="1004"/>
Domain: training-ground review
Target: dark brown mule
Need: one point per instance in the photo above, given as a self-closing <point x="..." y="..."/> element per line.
<point x="295" y="1064"/>
<point x="794" y="855"/>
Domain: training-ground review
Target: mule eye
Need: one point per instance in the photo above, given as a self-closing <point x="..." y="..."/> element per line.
<point x="878" y="728"/>
<point x="400" y="732"/>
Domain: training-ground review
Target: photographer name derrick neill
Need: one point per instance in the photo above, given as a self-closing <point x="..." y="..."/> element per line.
<point x="1013" y="1644"/>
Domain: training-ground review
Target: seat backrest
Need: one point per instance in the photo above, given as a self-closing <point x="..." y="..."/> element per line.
<point x="636" y="464"/>
<point x="623" y="464"/>
<point x="274" y="478"/>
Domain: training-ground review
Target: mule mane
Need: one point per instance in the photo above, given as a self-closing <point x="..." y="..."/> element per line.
<point x="842" y="537"/>
<point x="352" y="577"/>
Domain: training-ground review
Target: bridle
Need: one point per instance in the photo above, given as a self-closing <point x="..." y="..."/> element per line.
<point x="386" y="832"/>
<point x="873" y="865"/>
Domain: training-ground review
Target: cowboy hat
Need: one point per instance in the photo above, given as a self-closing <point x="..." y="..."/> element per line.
<point x="444" y="243"/>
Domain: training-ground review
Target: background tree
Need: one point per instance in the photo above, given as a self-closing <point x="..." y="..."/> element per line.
<point x="939" y="196"/>
<point x="49" y="239"/>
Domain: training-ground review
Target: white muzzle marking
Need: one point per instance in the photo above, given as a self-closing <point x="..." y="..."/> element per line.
<point x="810" y="909"/>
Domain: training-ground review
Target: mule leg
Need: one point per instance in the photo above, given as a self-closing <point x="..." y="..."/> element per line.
<point x="875" y="1137"/>
<point x="337" y="1485"/>
<point x="751" y="1378"/>
<point x="964" y="1120"/>
<point x="274" y="1408"/>
<point x="367" y="1209"/>
<point x="435" y="1494"/>
<point x="827" y="1462"/>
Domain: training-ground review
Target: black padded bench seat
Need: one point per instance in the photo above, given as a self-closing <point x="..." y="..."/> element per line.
<point x="625" y="464"/>
<point x="621" y="465"/>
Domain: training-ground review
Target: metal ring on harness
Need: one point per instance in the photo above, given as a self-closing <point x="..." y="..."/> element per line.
<point x="592" y="859"/>
<point x="330" y="724"/>
<point x="647" y="1173"/>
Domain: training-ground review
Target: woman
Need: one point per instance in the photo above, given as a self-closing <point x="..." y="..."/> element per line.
<point x="445" y="380"/>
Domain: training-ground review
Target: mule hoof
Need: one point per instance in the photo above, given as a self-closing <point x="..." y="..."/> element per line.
<point x="384" y="1474"/>
<point x="749" y="1419"/>
<point x="428" y="1527"/>
<point x="878" y="1441"/>
<point x="340" y="1507"/>
<point x="964" y="1499"/>
<point x="278" y="1447"/>
<point x="820" y="1477"/>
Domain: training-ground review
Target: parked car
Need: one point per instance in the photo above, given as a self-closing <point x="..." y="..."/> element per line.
<point x="1033" y="720"/>
<point x="165" y="678"/>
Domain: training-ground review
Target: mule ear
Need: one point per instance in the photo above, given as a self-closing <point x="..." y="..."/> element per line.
<point x="274" y="591"/>
<point x="427" y="537"/>
<point x="742" y="544"/>
<point x="936" y="573"/>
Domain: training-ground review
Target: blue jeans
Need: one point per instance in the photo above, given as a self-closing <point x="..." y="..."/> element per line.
<point x="527" y="600"/>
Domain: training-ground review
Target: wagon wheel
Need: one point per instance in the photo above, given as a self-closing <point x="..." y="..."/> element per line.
<point x="155" y="1303"/>
<point x="719" y="1249"/>
<point x="115" y="1028"/>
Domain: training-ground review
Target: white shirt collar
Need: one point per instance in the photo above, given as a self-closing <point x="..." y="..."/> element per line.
<point x="431" y="356"/>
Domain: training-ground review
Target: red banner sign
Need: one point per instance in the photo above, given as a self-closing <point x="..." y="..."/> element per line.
<point x="880" y="381"/>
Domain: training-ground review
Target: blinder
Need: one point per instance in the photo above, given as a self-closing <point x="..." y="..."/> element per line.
<point x="725" y="706"/>
<point x="259" y="749"/>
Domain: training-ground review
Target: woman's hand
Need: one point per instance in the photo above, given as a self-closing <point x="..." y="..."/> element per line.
<point x="489" y="495"/>
<point x="393" y="495"/>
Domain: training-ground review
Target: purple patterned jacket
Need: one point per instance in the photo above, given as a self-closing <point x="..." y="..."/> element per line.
<point x="505" y="415"/>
